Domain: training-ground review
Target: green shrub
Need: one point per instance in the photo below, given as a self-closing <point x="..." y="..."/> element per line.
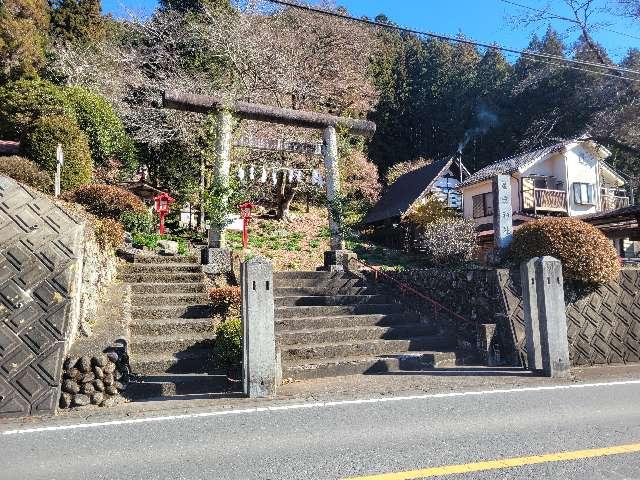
<point x="137" y="222"/>
<point x="99" y="121"/>
<point x="587" y="256"/>
<point x="109" y="233"/>
<point x="25" y="171"/>
<point x="447" y="241"/>
<point x="40" y="146"/>
<point x="24" y="101"/>
<point x="227" y="348"/>
<point x="430" y="211"/>
<point x="106" y="201"/>
<point x="148" y="240"/>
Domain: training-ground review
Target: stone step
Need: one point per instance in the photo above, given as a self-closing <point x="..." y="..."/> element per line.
<point x="161" y="278"/>
<point x="149" y="312"/>
<point x="382" y="320"/>
<point x="161" y="268"/>
<point x="175" y="342"/>
<point x="329" y="300"/>
<point x="156" y="288"/>
<point x="311" y="291"/>
<point x="349" y="334"/>
<point x="334" y="310"/>
<point x="413" y="361"/>
<point x="168" y="326"/>
<point x="364" y="347"/>
<point x="164" y="259"/>
<point x="192" y="361"/>
<point x="169" y="299"/>
<point x="310" y="274"/>
<point x="156" y="386"/>
<point x="322" y="282"/>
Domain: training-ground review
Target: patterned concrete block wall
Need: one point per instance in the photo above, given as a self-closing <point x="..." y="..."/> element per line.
<point x="40" y="248"/>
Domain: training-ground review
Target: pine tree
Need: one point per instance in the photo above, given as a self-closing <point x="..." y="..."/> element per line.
<point x="196" y="6"/>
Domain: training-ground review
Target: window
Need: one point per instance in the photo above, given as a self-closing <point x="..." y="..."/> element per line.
<point x="483" y="205"/>
<point x="583" y="194"/>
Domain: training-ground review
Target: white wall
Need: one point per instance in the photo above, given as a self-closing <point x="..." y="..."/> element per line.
<point x="486" y="187"/>
<point x="582" y="167"/>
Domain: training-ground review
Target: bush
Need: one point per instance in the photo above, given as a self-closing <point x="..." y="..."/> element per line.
<point x="25" y="171"/>
<point x="431" y="211"/>
<point x="109" y="233"/>
<point x="227" y="348"/>
<point x="447" y="241"/>
<point x="137" y="222"/>
<point x="148" y="240"/>
<point x="40" y="146"/>
<point x="106" y="201"/>
<point x="587" y="256"/>
<point x="24" y="101"/>
<point x="99" y="121"/>
<point x="226" y="298"/>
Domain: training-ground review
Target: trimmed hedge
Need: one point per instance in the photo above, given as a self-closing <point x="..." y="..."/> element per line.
<point x="25" y="171"/>
<point x="109" y="233"/>
<point x="106" y="201"/>
<point x="227" y="349"/>
<point x="226" y="298"/>
<point x="40" y="146"/>
<point x="586" y="254"/>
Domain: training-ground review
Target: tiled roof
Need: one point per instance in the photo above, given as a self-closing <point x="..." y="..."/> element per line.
<point x="512" y="164"/>
<point x="9" y="147"/>
<point x="405" y="190"/>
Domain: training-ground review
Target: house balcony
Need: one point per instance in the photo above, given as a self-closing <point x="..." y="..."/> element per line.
<point x="613" y="202"/>
<point x="547" y="200"/>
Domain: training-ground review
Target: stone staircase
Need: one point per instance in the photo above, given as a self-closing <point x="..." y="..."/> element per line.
<point x="337" y="323"/>
<point x="171" y="328"/>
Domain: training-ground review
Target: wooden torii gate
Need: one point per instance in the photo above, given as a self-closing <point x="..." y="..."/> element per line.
<point x="226" y="110"/>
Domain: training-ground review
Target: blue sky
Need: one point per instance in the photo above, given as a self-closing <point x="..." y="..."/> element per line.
<point x="483" y="20"/>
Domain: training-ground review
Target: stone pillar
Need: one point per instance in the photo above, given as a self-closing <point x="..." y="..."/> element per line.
<point x="221" y="169"/>
<point x="330" y="153"/>
<point x="550" y="311"/>
<point x="530" y="308"/>
<point x="259" y="367"/>
<point x="502" y="212"/>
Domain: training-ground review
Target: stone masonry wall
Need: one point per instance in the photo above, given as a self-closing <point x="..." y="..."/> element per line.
<point x="40" y="252"/>
<point x="603" y="325"/>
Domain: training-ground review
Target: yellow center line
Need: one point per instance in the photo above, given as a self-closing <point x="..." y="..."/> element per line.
<point x="505" y="463"/>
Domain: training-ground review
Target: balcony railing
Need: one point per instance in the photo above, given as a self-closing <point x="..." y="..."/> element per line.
<point x="612" y="202"/>
<point x="550" y="200"/>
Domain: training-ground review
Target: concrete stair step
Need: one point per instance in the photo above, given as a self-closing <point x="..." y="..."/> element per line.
<point x="161" y="268"/>
<point x="310" y="274"/>
<point x="150" y="312"/>
<point x="328" y="335"/>
<point x="168" y="326"/>
<point x="157" y="288"/>
<point x="305" y="323"/>
<point x="335" y="310"/>
<point x="330" y="300"/>
<point x="311" y="291"/>
<point x="161" y="278"/>
<point x="413" y="361"/>
<point x="321" y="282"/>
<point x="174" y="342"/>
<point x="169" y="299"/>
<point x="167" y="385"/>
<point x="192" y="361"/>
<point x="163" y="259"/>
<point x="364" y="348"/>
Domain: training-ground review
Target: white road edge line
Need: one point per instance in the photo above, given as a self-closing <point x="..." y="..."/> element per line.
<point x="300" y="406"/>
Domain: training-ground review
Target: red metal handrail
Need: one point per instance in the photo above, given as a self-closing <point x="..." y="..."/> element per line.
<point x="404" y="287"/>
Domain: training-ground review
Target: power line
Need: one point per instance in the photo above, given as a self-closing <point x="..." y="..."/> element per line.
<point x="566" y="19"/>
<point x="535" y="55"/>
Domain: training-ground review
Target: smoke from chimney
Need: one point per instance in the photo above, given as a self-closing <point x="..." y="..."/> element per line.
<point x="485" y="119"/>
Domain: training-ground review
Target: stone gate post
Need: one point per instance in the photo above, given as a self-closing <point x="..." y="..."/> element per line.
<point x="330" y="154"/>
<point x="259" y="366"/>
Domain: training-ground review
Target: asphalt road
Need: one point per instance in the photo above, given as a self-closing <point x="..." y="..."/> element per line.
<point x="346" y="439"/>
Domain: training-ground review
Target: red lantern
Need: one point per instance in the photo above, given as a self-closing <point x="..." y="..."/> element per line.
<point x="245" y="213"/>
<point x="162" y="204"/>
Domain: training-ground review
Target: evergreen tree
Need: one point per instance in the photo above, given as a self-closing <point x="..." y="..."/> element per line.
<point x="77" y="20"/>
<point x="196" y="6"/>
<point x="22" y="37"/>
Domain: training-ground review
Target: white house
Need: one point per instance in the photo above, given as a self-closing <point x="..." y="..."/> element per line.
<point x="569" y="178"/>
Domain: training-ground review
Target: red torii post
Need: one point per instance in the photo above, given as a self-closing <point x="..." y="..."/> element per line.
<point x="245" y="213"/>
